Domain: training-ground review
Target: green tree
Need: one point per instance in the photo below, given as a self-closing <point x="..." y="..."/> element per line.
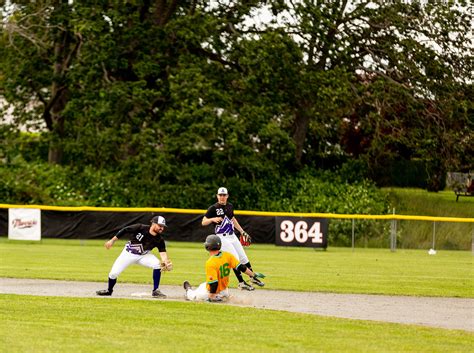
<point x="186" y="92"/>
<point x="411" y="54"/>
<point x="39" y="44"/>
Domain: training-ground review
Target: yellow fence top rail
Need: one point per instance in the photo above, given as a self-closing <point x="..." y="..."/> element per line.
<point x="245" y="213"/>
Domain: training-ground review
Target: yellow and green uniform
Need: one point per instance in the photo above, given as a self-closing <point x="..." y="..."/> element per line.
<point x="218" y="268"/>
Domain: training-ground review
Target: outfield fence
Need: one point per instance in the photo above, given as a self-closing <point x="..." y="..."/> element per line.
<point x="281" y="228"/>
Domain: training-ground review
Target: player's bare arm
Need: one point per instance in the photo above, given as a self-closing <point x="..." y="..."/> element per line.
<point x="250" y="273"/>
<point x="237" y="225"/>
<point x="110" y="243"/>
<point x="206" y="221"/>
<point x="166" y="264"/>
<point x="164" y="257"/>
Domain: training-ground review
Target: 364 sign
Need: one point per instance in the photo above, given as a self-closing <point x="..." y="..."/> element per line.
<point x="298" y="231"/>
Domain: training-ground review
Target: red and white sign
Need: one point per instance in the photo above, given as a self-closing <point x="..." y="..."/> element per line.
<point x="24" y="224"/>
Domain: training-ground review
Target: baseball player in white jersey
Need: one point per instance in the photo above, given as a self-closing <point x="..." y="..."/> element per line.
<point x="142" y="239"/>
<point x="222" y="215"/>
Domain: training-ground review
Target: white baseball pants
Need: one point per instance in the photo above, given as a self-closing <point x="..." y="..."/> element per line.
<point x="126" y="259"/>
<point x="201" y="293"/>
<point x="230" y="243"/>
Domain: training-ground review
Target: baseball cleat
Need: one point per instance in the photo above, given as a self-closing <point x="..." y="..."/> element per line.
<point x="245" y="286"/>
<point x="104" y="292"/>
<point x="157" y="294"/>
<point x="256" y="281"/>
<point x="186" y="285"/>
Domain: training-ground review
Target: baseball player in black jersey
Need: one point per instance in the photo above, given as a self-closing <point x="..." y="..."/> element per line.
<point x="142" y="239"/>
<point x="222" y="215"/>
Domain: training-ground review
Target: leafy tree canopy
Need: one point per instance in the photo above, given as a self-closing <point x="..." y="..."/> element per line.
<point x="192" y="93"/>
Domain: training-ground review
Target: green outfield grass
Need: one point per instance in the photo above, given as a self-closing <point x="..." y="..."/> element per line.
<point x="53" y="324"/>
<point x="340" y="270"/>
<point x="421" y="202"/>
<point x="419" y="234"/>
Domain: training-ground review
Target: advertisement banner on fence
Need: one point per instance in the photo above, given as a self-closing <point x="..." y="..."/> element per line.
<point x="24" y="224"/>
<point x="301" y="231"/>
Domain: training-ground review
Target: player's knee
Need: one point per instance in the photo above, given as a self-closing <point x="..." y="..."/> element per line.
<point x="155" y="265"/>
<point x="242" y="268"/>
<point x="113" y="275"/>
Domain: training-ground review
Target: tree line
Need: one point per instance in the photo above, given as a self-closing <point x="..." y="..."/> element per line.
<point x="183" y="96"/>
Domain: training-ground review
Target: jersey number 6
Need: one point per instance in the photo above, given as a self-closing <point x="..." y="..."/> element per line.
<point x="224" y="270"/>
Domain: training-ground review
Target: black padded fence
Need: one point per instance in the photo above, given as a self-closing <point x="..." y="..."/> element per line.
<point x="69" y="224"/>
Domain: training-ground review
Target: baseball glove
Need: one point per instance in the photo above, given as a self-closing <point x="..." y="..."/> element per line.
<point x="166" y="265"/>
<point x="245" y="239"/>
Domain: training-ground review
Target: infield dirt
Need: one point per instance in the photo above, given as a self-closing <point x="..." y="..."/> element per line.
<point x="448" y="313"/>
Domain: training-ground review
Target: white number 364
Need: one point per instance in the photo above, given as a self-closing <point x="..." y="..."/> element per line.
<point x="299" y="231"/>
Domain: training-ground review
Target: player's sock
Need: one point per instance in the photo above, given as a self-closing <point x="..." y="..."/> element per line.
<point x="238" y="274"/>
<point x="249" y="266"/>
<point x="112" y="284"/>
<point x="156" y="278"/>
